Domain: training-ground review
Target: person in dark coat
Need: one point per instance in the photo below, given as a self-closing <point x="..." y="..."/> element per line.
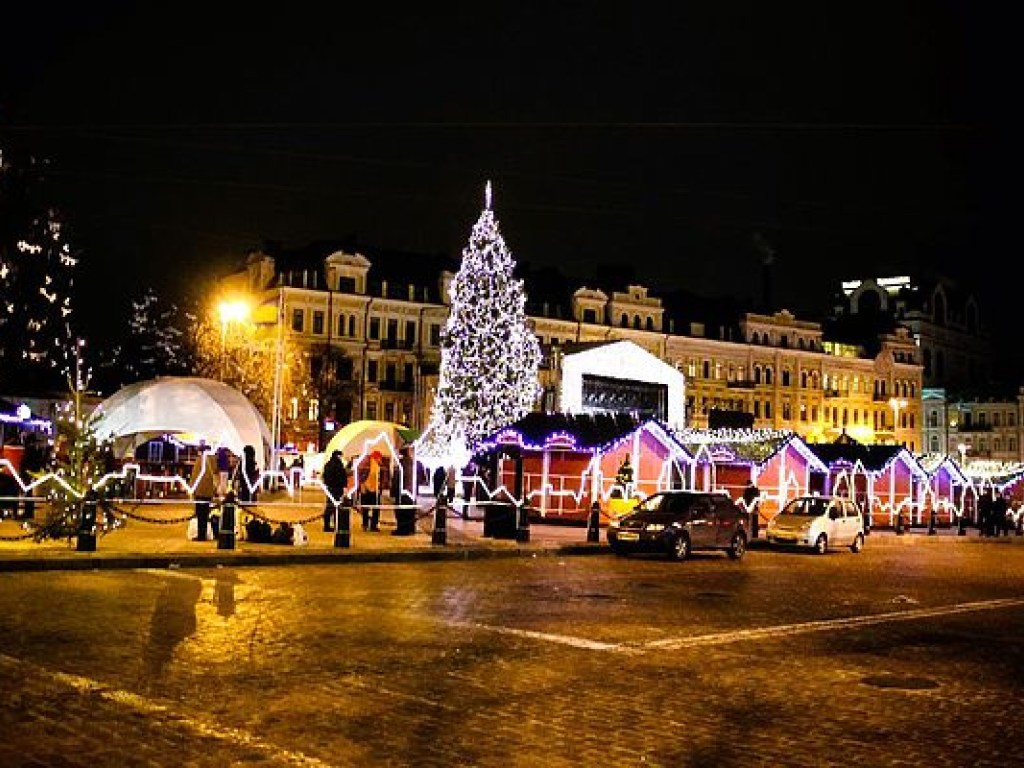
<point x="335" y="479"/>
<point x="750" y="496"/>
<point x="985" y="513"/>
<point x="439" y="480"/>
<point x="248" y="476"/>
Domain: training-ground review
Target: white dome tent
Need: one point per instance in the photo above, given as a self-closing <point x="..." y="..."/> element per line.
<point x="204" y="409"/>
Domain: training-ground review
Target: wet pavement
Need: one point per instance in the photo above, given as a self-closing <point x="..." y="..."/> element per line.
<point x="909" y="653"/>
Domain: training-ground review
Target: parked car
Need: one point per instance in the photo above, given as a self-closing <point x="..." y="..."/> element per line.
<point x="818" y="522"/>
<point x="678" y="522"/>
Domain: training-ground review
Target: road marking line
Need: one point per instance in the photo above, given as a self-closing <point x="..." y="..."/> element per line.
<point x="738" y="635"/>
<point x="146" y="706"/>
<point x="576" y="642"/>
<point x="783" y="630"/>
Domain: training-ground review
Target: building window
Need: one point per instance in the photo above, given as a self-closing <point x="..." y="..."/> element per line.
<point x="392" y="330"/>
<point x="374" y="327"/>
<point x="389" y="411"/>
<point x="589" y="316"/>
<point x="293" y="408"/>
<point x="318" y="322"/>
<point x="341" y="325"/>
<point x="767" y="410"/>
<point x="786" y="413"/>
<point x="410" y="334"/>
<point x="371" y="411"/>
<point x="650" y="323"/>
<point x="707" y="369"/>
<point x="933" y="419"/>
<point x="407" y="373"/>
<point x="297" y="320"/>
<point x="371" y="370"/>
<point x="352" y="325"/>
<point x="757" y="409"/>
<point x="435" y="335"/>
<point x="625" y="320"/>
<point x="785" y="377"/>
<point x="768" y="374"/>
<point x="313" y="409"/>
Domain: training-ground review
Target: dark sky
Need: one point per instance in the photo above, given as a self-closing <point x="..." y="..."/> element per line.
<point x="857" y="139"/>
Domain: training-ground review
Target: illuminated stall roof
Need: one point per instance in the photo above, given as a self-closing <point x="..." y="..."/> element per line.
<point x="747" y="446"/>
<point x="873" y="458"/>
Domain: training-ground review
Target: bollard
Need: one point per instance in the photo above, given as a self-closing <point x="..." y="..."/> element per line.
<point x="899" y="524"/>
<point x="961" y="525"/>
<point x="594" y="523"/>
<point x="87" y="524"/>
<point x="342" y="525"/>
<point x="931" y="523"/>
<point x="522" y="524"/>
<point x="440" y="534"/>
<point x="228" y="520"/>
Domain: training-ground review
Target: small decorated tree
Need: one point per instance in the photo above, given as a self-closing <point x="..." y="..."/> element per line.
<point x="489" y="354"/>
<point x="80" y="461"/>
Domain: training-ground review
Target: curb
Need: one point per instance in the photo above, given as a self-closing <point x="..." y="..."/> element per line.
<point x="101" y="562"/>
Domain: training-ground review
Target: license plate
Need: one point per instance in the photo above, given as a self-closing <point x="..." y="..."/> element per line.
<point x="628" y="536"/>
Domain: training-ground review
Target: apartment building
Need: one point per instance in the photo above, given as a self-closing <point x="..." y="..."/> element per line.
<point x="373" y="333"/>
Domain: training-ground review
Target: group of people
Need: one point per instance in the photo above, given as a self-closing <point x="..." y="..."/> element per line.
<point x="995" y="514"/>
<point x="370" y="485"/>
<point x="214" y="477"/>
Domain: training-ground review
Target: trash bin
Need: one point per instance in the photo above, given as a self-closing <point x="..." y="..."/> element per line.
<point x="501" y="521"/>
<point x="405" y="522"/>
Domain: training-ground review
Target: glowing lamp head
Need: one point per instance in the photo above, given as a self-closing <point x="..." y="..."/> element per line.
<point x="233" y="310"/>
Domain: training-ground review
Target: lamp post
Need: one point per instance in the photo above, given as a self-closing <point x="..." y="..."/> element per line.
<point x="235" y="310"/>
<point x="962" y="447"/>
<point x="896" y="403"/>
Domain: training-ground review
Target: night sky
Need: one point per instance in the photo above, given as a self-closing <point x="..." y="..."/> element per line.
<point x="856" y="140"/>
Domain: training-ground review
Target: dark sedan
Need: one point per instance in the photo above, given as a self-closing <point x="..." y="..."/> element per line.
<point x="676" y="523"/>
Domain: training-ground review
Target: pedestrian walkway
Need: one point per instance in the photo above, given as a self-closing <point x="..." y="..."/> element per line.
<point x="156" y="537"/>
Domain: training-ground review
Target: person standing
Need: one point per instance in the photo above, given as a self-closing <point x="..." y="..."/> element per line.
<point x="223" y="470"/>
<point x="369" y="497"/>
<point x="750" y="496"/>
<point x="248" y="476"/>
<point x="438" y="481"/>
<point x="335" y="479"/>
<point x="204" y="487"/>
<point x="624" y="477"/>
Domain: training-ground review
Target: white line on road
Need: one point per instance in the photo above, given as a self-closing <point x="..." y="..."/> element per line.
<point x="176" y="720"/>
<point x="738" y="635"/>
<point x="576" y="642"/>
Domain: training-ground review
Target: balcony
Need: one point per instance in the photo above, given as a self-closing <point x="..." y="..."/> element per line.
<point x="742" y="384"/>
<point x="974" y="428"/>
<point x="832" y="393"/>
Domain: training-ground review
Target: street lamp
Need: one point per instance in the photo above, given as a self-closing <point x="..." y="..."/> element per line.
<point x="235" y="310"/>
<point x="963" y="454"/>
<point x="896" y="403"/>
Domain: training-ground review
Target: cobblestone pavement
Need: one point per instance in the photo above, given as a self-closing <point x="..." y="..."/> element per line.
<point x="896" y="656"/>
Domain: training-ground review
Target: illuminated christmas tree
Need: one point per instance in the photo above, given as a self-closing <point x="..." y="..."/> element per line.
<point x="489" y="354"/>
<point x="36" y="278"/>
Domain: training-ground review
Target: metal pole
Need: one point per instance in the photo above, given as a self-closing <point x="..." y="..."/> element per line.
<point x="440" y="534"/>
<point x="275" y="419"/>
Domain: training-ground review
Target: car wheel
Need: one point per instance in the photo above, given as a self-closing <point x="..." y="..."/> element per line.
<point x="821" y="545"/>
<point x="858" y="543"/>
<point x="738" y="547"/>
<point x="679" y="548"/>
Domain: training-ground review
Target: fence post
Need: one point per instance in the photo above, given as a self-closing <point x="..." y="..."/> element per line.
<point x="440" y="534"/>
<point x="87" y="523"/>
<point x="522" y="524"/>
<point x="342" y="525"/>
<point x="594" y="523"/>
<point x="228" y="521"/>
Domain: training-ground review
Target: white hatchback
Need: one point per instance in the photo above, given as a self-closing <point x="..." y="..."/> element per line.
<point x="818" y="522"/>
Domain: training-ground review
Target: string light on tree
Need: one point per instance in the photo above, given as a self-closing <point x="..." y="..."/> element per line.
<point x="489" y="354"/>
